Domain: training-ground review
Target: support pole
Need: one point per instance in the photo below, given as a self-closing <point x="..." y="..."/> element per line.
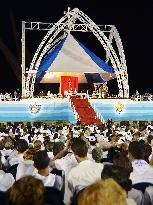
<point x="23" y="58"/>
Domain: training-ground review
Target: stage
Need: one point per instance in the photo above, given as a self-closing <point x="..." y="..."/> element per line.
<point x="62" y="59"/>
<point x="34" y="109"/>
<point x="123" y="109"/>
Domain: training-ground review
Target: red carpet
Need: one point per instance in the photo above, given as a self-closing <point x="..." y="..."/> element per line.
<point x="86" y="113"/>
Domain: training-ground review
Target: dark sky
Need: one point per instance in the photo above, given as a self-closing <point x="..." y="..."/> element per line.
<point x="134" y="23"/>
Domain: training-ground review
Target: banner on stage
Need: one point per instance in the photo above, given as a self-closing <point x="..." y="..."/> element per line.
<point x="69" y="84"/>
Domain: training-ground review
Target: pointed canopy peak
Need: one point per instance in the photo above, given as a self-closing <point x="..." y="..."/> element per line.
<point x="72" y="56"/>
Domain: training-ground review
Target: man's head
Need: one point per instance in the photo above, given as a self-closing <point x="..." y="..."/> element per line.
<point x="37" y="145"/>
<point x="79" y="148"/>
<point x="97" y="154"/>
<point x="8" y="143"/>
<point x="136" y="135"/>
<point x="57" y="147"/>
<point x="22" y="145"/>
<point x="122" y="160"/>
<point x="49" y="146"/>
<point x="136" y="150"/>
<point x="29" y="153"/>
<point x="41" y="160"/>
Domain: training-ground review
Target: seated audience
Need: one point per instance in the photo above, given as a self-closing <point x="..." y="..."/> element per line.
<point x="69" y="157"/>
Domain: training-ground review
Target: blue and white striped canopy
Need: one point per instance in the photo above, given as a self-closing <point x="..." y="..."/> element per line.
<point x="72" y="58"/>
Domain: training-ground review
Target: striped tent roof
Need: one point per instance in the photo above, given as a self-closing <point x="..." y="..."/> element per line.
<point x="72" y="58"/>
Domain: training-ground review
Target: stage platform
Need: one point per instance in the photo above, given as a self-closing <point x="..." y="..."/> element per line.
<point x="129" y="110"/>
<point x="60" y="109"/>
<point x="36" y="109"/>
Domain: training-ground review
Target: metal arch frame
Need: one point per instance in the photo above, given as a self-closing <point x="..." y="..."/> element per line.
<point x="115" y="35"/>
<point x="59" y="26"/>
<point x="31" y="73"/>
<point x="119" y="63"/>
<point x="55" y="43"/>
<point x="124" y="72"/>
<point x="111" y="36"/>
<point x="122" y="83"/>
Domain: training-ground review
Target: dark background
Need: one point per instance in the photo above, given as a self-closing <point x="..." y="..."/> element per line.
<point x="134" y="23"/>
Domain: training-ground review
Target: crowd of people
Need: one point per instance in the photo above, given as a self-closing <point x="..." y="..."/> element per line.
<point x="142" y="97"/>
<point x="15" y="96"/>
<point x="75" y="164"/>
<point x="98" y="93"/>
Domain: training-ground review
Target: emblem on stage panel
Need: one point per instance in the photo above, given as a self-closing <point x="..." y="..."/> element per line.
<point x="119" y="107"/>
<point x="35" y="108"/>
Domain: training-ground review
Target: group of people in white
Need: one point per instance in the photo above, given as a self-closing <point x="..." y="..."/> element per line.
<point x="142" y="97"/>
<point x="70" y="158"/>
<point x="9" y="96"/>
<point x="67" y="94"/>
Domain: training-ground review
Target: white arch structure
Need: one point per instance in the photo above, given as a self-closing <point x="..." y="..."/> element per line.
<point x="53" y="37"/>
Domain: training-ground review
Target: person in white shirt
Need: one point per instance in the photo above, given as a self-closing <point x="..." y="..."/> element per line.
<point x="142" y="171"/>
<point x="26" y="167"/>
<point x="48" y="93"/>
<point x="6" y="179"/>
<point x="1" y="97"/>
<point x="21" y="147"/>
<point x="41" y="163"/>
<point x="8" y="151"/>
<point x="84" y="174"/>
<point x="49" y="148"/>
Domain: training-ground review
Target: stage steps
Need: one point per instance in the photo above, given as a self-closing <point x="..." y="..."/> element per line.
<point x="86" y="113"/>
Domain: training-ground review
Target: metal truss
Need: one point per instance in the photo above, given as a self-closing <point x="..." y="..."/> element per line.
<point x="123" y="70"/>
<point x="75" y="27"/>
<point x="54" y="43"/>
<point x="111" y="36"/>
<point x="110" y="52"/>
<point x="23" y="59"/>
<point x="67" y="24"/>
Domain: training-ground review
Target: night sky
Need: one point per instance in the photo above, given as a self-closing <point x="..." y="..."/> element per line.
<point x="134" y="23"/>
